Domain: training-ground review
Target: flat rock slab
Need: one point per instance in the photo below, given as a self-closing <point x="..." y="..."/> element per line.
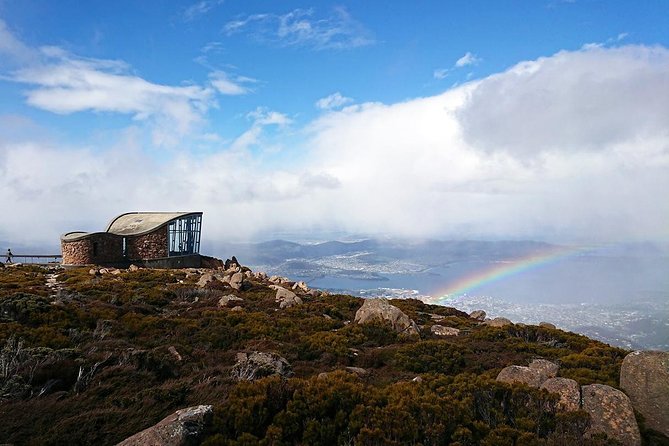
<point x="181" y="428"/>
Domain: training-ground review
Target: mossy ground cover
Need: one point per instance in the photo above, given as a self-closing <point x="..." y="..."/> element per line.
<point x="94" y="363"/>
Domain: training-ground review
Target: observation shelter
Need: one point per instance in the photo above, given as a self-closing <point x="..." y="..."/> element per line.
<point x="151" y="239"/>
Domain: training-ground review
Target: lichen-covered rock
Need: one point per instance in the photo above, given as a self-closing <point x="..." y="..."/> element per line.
<point x="382" y="310"/>
<point x="479" y="315"/>
<point x="568" y="390"/>
<point x="547" y="368"/>
<point x="357" y="371"/>
<point x="254" y="365"/>
<point x="519" y="374"/>
<point x="498" y="322"/>
<point x="440" y="330"/>
<point x="644" y="376"/>
<point x="182" y="428"/>
<point x="611" y="413"/>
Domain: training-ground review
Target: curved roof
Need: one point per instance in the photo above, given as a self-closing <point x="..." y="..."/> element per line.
<point x="132" y="223"/>
<point x="137" y="223"/>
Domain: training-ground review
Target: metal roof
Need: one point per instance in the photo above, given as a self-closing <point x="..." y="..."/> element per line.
<point x="136" y="223"/>
<point x="132" y="223"/>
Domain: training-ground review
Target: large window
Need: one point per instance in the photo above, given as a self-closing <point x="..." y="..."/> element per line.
<point x="184" y="235"/>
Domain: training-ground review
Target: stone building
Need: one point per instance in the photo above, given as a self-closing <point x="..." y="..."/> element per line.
<point x="156" y="239"/>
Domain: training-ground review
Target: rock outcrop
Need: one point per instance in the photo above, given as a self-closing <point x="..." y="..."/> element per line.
<point x="568" y="390"/>
<point x="644" y="376"/>
<point x="547" y="325"/>
<point x="381" y="310"/>
<point x="611" y="413"/>
<point x="479" y="315"/>
<point x="254" y="365"/>
<point x="182" y="428"/>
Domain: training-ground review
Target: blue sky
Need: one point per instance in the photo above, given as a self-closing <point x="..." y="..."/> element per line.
<point x="442" y="119"/>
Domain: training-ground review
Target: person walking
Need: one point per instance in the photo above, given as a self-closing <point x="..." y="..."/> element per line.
<point x="9" y="256"/>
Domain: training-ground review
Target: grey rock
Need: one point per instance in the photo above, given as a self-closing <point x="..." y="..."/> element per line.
<point x="357" y="371"/>
<point x="547" y="325"/>
<point x="182" y="428"/>
<point x="225" y="300"/>
<point x="286" y="298"/>
<point x="568" y="390"/>
<point x="236" y="309"/>
<point x="382" y="310"/>
<point x="205" y="279"/>
<point x="440" y="330"/>
<point x="611" y="412"/>
<point x="237" y="281"/>
<point x="254" y="365"/>
<point x="498" y="322"/>
<point x="644" y="376"/>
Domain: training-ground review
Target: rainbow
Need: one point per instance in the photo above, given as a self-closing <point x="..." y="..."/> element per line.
<point x="503" y="269"/>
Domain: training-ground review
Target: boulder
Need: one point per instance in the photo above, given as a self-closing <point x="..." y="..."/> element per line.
<point x="237" y="281"/>
<point x="175" y="354"/>
<point x="225" y="300"/>
<point x="286" y="298"/>
<point x="547" y="325"/>
<point x="547" y="368"/>
<point x="300" y="287"/>
<point x="381" y="310"/>
<point x="519" y="374"/>
<point x="205" y="279"/>
<point x="254" y="365"/>
<point x="644" y="376"/>
<point x="93" y="272"/>
<point x="182" y="428"/>
<point x="357" y="371"/>
<point x="568" y="390"/>
<point x="479" y="315"/>
<point x="440" y="330"/>
<point x="133" y="267"/>
<point x="611" y="412"/>
<point x="498" y="322"/>
<point x="236" y="309"/>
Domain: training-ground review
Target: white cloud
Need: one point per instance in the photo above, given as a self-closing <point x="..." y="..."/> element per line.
<point x="437" y="166"/>
<point x="64" y="83"/>
<point x="592" y="99"/>
<point x="440" y="73"/>
<point x="333" y="101"/>
<point x="303" y="28"/>
<point x="200" y="8"/>
<point x="227" y="86"/>
<point x="467" y="59"/>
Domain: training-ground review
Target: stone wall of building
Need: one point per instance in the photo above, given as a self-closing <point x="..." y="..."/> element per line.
<point x="148" y="246"/>
<point x="98" y="248"/>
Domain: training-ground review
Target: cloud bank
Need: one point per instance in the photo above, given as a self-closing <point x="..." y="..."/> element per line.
<point x="570" y="147"/>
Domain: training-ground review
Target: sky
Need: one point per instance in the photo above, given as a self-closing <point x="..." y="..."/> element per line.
<point x="541" y="119"/>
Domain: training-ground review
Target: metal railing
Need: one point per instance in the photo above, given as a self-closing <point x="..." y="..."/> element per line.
<point x="32" y="259"/>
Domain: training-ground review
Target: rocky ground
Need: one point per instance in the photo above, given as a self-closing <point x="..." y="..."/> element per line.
<point x="226" y="355"/>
